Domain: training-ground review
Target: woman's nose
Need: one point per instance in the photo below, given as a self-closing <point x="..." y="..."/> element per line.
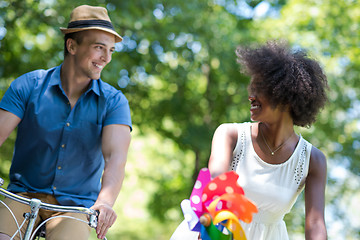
<point x="251" y="98"/>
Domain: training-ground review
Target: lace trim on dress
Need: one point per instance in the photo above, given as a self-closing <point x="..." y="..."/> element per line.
<point x="299" y="170"/>
<point x="239" y="155"/>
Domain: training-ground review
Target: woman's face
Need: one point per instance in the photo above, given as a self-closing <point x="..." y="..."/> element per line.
<point x="260" y="109"/>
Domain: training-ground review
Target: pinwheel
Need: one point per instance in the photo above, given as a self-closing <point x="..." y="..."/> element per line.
<point x="216" y="207"/>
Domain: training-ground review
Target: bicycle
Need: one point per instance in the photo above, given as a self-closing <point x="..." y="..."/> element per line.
<point x="35" y="206"/>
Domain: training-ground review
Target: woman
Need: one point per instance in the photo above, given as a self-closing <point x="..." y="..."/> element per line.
<point x="273" y="162"/>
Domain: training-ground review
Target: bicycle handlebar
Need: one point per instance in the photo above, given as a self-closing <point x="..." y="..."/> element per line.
<point x="73" y="209"/>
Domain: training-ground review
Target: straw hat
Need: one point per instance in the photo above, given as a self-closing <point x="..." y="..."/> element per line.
<point x="87" y="17"/>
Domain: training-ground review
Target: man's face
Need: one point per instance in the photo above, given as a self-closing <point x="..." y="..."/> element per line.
<point x="93" y="53"/>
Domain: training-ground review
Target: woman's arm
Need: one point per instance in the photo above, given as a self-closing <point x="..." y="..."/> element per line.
<point x="315" y="197"/>
<point x="222" y="147"/>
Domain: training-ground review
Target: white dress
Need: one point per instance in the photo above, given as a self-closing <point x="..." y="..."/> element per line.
<point x="274" y="188"/>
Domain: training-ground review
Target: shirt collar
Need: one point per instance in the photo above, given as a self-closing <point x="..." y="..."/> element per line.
<point x="94" y="86"/>
<point x="55" y="80"/>
<point x="55" y="77"/>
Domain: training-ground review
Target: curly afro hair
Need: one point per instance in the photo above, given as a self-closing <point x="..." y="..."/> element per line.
<point x="286" y="78"/>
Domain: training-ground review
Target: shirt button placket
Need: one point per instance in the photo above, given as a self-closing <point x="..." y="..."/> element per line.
<point x="59" y="167"/>
<point x="68" y="125"/>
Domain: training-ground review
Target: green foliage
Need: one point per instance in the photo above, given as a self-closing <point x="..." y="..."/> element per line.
<point x="178" y="69"/>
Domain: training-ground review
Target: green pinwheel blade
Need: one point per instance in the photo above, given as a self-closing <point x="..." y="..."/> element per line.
<point x="216" y="234"/>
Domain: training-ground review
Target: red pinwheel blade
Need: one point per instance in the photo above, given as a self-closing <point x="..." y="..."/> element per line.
<point x="224" y="183"/>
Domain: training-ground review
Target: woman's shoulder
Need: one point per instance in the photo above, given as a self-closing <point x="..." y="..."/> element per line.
<point x="317" y="158"/>
<point x="233" y="126"/>
<point x="318" y="163"/>
<point x="232" y="129"/>
<point x="231" y="132"/>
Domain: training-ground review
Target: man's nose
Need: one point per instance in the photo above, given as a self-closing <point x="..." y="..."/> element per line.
<point x="106" y="56"/>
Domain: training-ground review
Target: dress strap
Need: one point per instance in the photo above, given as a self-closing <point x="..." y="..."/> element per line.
<point x="239" y="151"/>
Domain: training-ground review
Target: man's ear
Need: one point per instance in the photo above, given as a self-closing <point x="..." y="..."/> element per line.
<point x="71" y="45"/>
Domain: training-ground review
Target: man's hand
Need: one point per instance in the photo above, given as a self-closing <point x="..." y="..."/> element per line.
<point x="106" y="219"/>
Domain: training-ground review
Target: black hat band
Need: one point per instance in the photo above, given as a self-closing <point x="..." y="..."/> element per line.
<point x="91" y="23"/>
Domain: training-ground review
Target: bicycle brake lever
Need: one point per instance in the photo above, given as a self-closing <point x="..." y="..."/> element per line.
<point x="93" y="221"/>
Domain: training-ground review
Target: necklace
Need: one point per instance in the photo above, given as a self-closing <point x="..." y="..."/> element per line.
<point x="273" y="152"/>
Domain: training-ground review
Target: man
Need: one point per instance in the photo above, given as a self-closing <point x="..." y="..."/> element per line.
<point x="73" y="131"/>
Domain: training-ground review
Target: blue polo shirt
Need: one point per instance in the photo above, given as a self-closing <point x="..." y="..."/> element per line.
<point x="58" y="149"/>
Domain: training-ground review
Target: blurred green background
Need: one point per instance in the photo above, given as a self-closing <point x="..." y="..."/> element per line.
<point x="177" y="67"/>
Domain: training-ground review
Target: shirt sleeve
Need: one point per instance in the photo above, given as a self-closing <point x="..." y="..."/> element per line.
<point x="118" y="110"/>
<point x="16" y="96"/>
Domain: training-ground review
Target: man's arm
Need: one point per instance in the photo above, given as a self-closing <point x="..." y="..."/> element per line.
<point x="315" y="197"/>
<point x="8" y="122"/>
<point x="115" y="144"/>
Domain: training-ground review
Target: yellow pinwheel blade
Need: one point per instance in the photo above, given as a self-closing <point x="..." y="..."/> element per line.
<point x="232" y="224"/>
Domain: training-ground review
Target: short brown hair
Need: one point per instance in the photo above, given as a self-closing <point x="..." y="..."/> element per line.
<point x="77" y="36"/>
